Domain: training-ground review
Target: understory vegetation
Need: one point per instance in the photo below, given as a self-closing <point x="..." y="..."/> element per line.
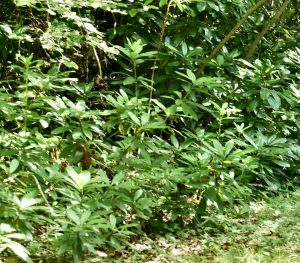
<point x="264" y="231"/>
<point x="120" y="119"/>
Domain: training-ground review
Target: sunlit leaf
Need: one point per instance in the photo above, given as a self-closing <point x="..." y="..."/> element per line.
<point x="14" y="165"/>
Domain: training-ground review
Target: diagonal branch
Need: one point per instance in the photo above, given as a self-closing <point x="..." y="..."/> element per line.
<point x="267" y="27"/>
<point x="230" y="34"/>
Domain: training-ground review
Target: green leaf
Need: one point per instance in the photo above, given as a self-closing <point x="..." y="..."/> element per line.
<point x="128" y="81"/>
<point x="159" y="104"/>
<point x="145" y="118"/>
<point x="184" y="48"/>
<point x="213" y="6"/>
<point x="73" y="216"/>
<point x="155" y="125"/>
<point x="265" y="93"/>
<point x="218" y="146"/>
<point x="71" y="172"/>
<point x="82" y="179"/>
<point x="6" y="228"/>
<point x="77" y="250"/>
<point x="85" y="216"/>
<point x="250" y="140"/>
<point x="228" y="147"/>
<point x="13" y="166"/>
<point x="133" y="12"/>
<point x="87" y="132"/>
<point x="112" y="220"/>
<point x="174" y="141"/>
<point x="171" y="110"/>
<point x="44" y="123"/>
<point x="19" y="250"/>
<point x="144" y="203"/>
<point x="60" y="130"/>
<point x="211" y="194"/>
<point x="78" y="180"/>
<point x="272" y="182"/>
<point x="6" y="28"/>
<point x="248" y="64"/>
<point x="191" y="75"/>
<point x="219" y="203"/>
<point x="8" y="153"/>
<point x="187" y="143"/>
<point x="148" y="2"/>
<point x="188" y="111"/>
<point x="162" y="2"/>
<point x="118" y="178"/>
<point x="148" y="54"/>
<point x="274" y="100"/>
<point x="281" y="163"/>
<point x="253" y="105"/>
<point x="138" y="194"/>
<point x="28" y="201"/>
<point x="77" y="134"/>
<point x="134" y="118"/>
<point x="115" y="243"/>
<point x="220" y="60"/>
<point x="275" y="104"/>
<point x="201" y="6"/>
<point x="73" y="153"/>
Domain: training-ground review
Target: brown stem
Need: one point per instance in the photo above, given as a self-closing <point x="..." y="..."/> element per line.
<point x="267" y="27"/>
<point x="230" y="34"/>
<point x="161" y="37"/>
<point x="162" y="32"/>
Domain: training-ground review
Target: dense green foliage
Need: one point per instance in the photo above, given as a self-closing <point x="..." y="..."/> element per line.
<point x="119" y="118"/>
<point x="266" y="231"/>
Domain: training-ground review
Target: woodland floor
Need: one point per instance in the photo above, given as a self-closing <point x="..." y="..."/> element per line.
<point x="266" y="231"/>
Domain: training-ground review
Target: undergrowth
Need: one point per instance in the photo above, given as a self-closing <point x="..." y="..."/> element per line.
<point x="125" y="118"/>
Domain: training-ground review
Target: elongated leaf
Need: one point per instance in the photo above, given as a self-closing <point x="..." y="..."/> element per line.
<point x="73" y="216"/>
<point x="184" y="48"/>
<point x="281" y="163"/>
<point x="77" y="250"/>
<point x="13" y="166"/>
<point x="60" y="130"/>
<point x="71" y="172"/>
<point x="155" y="125"/>
<point x="118" y="178"/>
<point x="191" y="75"/>
<point x="174" y="141"/>
<point x="112" y="220"/>
<point x="228" y="147"/>
<point x="28" y="201"/>
<point x="138" y="194"/>
<point x="19" y="250"/>
<point x="128" y="81"/>
<point x="134" y="118"/>
<point x="220" y="60"/>
<point x="188" y="111"/>
<point x="218" y="146"/>
<point x="145" y="118"/>
<point x="250" y="140"/>
<point x="82" y="179"/>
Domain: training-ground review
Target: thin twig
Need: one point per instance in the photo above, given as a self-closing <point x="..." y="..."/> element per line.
<point x="230" y="34"/>
<point x="161" y="37"/>
<point x="40" y="189"/>
<point x="98" y="61"/>
<point x="267" y="27"/>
